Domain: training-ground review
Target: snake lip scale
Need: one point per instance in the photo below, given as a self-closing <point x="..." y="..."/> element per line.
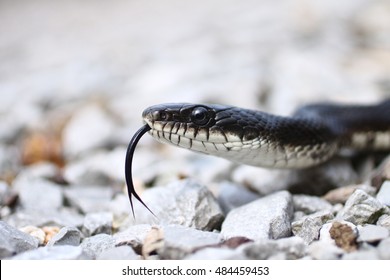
<point x="311" y="136"/>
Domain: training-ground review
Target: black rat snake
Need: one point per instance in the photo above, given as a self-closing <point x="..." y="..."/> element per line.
<point x="309" y="137"/>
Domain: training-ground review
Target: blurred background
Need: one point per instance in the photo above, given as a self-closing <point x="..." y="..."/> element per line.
<point x="75" y="76"/>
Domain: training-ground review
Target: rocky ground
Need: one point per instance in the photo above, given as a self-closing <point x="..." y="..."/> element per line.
<point x="75" y="77"/>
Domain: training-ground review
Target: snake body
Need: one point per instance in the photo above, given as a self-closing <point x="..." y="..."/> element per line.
<point x="312" y="135"/>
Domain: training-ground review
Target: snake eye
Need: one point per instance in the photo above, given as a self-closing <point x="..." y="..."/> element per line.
<point x="163" y="116"/>
<point x="200" y="116"/>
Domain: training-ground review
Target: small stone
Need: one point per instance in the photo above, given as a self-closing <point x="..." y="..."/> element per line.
<point x="89" y="198"/>
<point x="267" y="217"/>
<point x="362" y="208"/>
<point x="89" y="128"/>
<point x="384" y="193"/>
<point x="7" y="197"/>
<point x="180" y="241"/>
<point x="35" y="232"/>
<point x="133" y="236"/>
<point x="14" y="241"/>
<point x="153" y="241"/>
<point x="308" y="227"/>
<point x="217" y="254"/>
<point x="323" y="250"/>
<point x="100" y="168"/>
<point x="262" y="180"/>
<point x="372" y="233"/>
<point x="341" y="195"/>
<point x="315" y="181"/>
<point x="65" y="252"/>
<point x="362" y="255"/>
<point x="50" y="232"/>
<point x="66" y="236"/>
<point x="95" y="223"/>
<point x="290" y="248"/>
<point x="39" y="194"/>
<point x="61" y="218"/>
<point x="384" y="221"/>
<point x="231" y="196"/>
<point x="344" y="236"/>
<point x="310" y="204"/>
<point x="118" y="253"/>
<point x="383" y="249"/>
<point x="184" y="202"/>
<point x="381" y="174"/>
<point x="97" y="244"/>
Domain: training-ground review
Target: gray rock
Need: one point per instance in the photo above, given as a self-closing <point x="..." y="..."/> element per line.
<point x="9" y="158"/>
<point x="8" y="198"/>
<point x="184" y="203"/>
<point x="133" y="236"/>
<point x="341" y="195"/>
<point x="267" y="217"/>
<point x="361" y="209"/>
<point x="217" y="254"/>
<point x="384" y="221"/>
<point x="61" y="218"/>
<point x="308" y="227"/>
<point x="315" y="181"/>
<point x="372" y="233"/>
<point x="118" y="253"/>
<point x="262" y="180"/>
<point x="3" y="189"/>
<point x="323" y="250"/>
<point x="39" y="194"/>
<point x="384" y="193"/>
<point x="383" y="249"/>
<point x="89" y="198"/>
<point x="231" y="196"/>
<point x="285" y="248"/>
<point x="362" y="255"/>
<point x="35" y="232"/>
<point x="180" y="241"/>
<point x="100" y="168"/>
<point x="66" y="236"/>
<point x="65" y="252"/>
<point x="95" y="223"/>
<point x="310" y="204"/>
<point x="13" y="241"/>
<point x="89" y="128"/>
<point x="97" y="244"/>
<point x="37" y="171"/>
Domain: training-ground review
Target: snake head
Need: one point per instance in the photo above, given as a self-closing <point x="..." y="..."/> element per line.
<point x="172" y="114"/>
<point x="210" y="129"/>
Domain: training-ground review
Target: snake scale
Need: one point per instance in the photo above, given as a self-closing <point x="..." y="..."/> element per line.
<point x="311" y="136"/>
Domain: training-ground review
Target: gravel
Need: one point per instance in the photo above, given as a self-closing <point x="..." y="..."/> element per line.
<point x="308" y="227"/>
<point x="68" y="114"/>
<point x="66" y="236"/>
<point x="95" y="223"/>
<point x="185" y="203"/>
<point x="13" y="241"/>
<point x="361" y="208"/>
<point x="65" y="252"/>
<point x="384" y="193"/>
<point x="95" y="245"/>
<point x="267" y="217"/>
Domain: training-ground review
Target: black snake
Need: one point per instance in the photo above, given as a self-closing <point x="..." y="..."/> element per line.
<point x="309" y="137"/>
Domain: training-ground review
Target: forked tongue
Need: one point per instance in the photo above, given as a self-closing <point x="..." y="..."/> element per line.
<point x="128" y="167"/>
